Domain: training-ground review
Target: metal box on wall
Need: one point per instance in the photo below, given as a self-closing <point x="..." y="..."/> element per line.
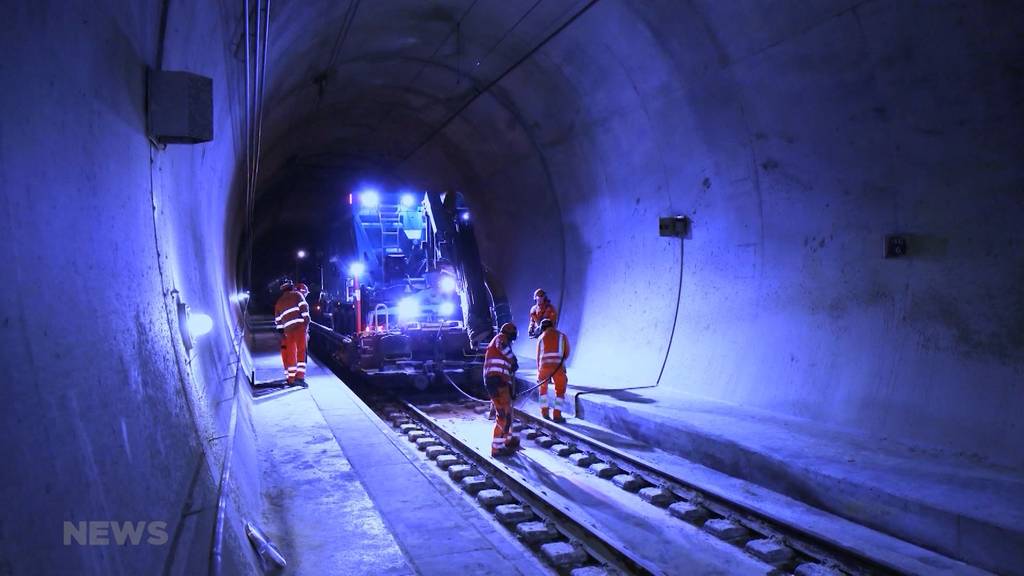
<point x="180" y="107"/>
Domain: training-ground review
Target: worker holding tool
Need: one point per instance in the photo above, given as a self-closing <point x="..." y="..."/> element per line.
<point x="500" y="365"/>
<point x="552" y="354"/>
<point x="291" y="318"/>
<point x="542" y="308"/>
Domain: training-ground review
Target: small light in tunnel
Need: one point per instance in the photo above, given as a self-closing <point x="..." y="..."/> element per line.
<point x="349" y="198"/>
<point x="465" y="216"/>
<point x="301" y="253"/>
<point x="447" y="284"/>
<point x="408" y="200"/>
<point x="199" y="324"/>
<point x="369" y="198"/>
<point x="446" y="309"/>
<point x="357" y="269"/>
<point x="408" y="308"/>
<point x="239" y="297"/>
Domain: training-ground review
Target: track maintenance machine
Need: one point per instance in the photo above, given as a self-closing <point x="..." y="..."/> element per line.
<point x="420" y="306"/>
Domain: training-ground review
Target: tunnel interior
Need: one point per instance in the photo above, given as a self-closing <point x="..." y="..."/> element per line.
<point x="793" y="137"/>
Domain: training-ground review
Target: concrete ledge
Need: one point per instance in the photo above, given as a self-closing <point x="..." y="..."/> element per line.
<point x="956" y="508"/>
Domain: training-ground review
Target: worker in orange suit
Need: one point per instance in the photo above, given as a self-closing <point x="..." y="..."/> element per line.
<point x="500" y="365"/>
<point x="300" y="359"/>
<point x="291" y="317"/>
<point x="542" y="308"/>
<point x="552" y="354"/>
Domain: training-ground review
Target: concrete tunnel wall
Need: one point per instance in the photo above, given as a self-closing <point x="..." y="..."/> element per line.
<point x="795" y="140"/>
<point x="107" y="417"/>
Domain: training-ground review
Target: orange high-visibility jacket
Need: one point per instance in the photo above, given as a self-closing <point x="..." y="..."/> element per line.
<point x="291" y="312"/>
<point x="499" y="358"/>
<point x="552" y="350"/>
<point x="538" y="313"/>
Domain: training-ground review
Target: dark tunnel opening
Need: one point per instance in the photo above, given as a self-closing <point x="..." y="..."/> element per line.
<point x="780" y="342"/>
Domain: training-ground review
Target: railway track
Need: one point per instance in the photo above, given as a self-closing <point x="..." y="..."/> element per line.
<point x="566" y="545"/>
<point x="693" y="529"/>
<point x="571" y="542"/>
<point x="788" y="548"/>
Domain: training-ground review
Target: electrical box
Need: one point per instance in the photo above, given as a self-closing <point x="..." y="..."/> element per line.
<point x="180" y="107"/>
<point x="674" y="227"/>
<point x="895" y="246"/>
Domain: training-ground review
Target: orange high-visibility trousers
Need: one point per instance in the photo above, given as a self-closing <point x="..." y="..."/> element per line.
<point x="503" y="440"/>
<point x="293" y="354"/>
<point x="561" y="381"/>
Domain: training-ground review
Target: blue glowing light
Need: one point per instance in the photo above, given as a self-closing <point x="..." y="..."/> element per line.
<point x="239" y="297"/>
<point x="447" y="284"/>
<point x="301" y="254"/>
<point x="408" y="200"/>
<point x="446" y="309"/>
<point x="199" y="324"/>
<point x="465" y="216"/>
<point x="369" y="198"/>
<point x="357" y="269"/>
<point x="408" y="308"/>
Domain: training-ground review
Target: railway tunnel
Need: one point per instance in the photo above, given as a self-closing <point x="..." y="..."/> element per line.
<point x="840" y="329"/>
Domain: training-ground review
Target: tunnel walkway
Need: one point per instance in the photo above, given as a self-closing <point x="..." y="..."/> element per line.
<point x="342" y="496"/>
<point x="951" y="503"/>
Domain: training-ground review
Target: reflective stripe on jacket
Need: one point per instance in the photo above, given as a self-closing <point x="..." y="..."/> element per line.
<point x="498" y="358"/>
<point x="552" y="349"/>
<point x="291" y="311"/>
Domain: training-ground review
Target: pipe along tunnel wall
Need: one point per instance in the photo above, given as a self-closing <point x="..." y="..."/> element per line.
<point x="794" y="137"/>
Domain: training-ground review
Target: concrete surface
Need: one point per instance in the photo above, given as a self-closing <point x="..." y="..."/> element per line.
<point x="316" y="510"/>
<point x="108" y="418"/>
<point x="954" y="506"/>
<point x="346" y="495"/>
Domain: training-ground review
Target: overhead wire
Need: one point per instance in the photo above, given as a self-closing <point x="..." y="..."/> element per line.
<point x="255" y="84"/>
<point x="486" y="88"/>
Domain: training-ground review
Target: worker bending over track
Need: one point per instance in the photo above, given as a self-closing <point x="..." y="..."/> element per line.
<point x="291" y="318"/>
<point x="500" y="365"/>
<point x="542" y="309"/>
<point x="552" y="354"/>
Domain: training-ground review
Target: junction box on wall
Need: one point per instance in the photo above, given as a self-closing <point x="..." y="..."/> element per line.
<point x="674" y="226"/>
<point x="179" y="107"/>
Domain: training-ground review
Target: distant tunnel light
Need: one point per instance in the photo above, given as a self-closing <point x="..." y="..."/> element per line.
<point x="369" y="198"/>
<point x="408" y="309"/>
<point x="446" y="309"/>
<point x="199" y="324"/>
<point x="301" y="253"/>
<point x="408" y="200"/>
<point x="465" y="216"/>
<point x="357" y="269"/>
<point x="447" y="284"/>
<point x="239" y="297"/>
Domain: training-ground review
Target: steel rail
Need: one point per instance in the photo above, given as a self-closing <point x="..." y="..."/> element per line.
<point x="597" y="543"/>
<point x="811" y="545"/>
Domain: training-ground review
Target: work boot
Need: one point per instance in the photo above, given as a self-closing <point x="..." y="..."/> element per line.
<point x="544" y="414"/>
<point x="301" y="382"/>
<point x="512" y="444"/>
<point x="558" y="418"/>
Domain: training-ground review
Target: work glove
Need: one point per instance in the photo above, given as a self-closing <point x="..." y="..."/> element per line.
<point x="515" y="364"/>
